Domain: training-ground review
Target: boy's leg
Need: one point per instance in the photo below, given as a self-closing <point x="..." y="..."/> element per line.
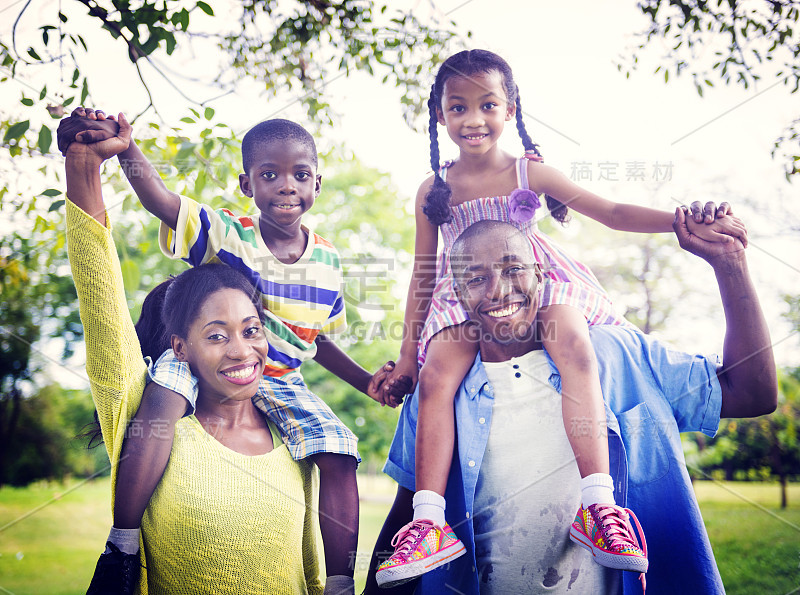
<point x="338" y="511"/>
<point x="311" y="429"/>
<point x="145" y="452"/>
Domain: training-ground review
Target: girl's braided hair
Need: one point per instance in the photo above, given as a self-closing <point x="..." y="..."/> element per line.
<point x="469" y="63"/>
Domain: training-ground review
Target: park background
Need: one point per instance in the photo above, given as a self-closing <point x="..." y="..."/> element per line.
<point x="650" y="125"/>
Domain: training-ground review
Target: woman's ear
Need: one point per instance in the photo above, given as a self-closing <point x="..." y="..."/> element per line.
<point x="179" y="348"/>
<point x="440" y="116"/>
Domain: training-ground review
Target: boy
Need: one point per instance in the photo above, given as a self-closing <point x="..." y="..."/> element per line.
<point x="299" y="276"/>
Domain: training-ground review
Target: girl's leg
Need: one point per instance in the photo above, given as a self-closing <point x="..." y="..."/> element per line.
<point x="338" y="515"/>
<point x="565" y="335"/>
<point x="450" y="355"/>
<point x="566" y="339"/>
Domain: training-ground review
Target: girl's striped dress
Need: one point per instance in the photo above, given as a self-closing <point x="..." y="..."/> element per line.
<point x="567" y="281"/>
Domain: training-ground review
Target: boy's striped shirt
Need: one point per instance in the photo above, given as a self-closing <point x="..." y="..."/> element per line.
<point x="301" y="299"/>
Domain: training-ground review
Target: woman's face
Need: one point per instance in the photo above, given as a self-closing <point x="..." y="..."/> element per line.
<point x="226" y="347"/>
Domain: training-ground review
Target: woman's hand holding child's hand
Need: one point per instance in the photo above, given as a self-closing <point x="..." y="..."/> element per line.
<point x="87" y="126"/>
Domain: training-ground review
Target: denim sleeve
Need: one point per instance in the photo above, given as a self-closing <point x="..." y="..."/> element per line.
<point x="635" y="368"/>
<point x="400" y="463"/>
<point x="175" y="376"/>
<point x="690" y="384"/>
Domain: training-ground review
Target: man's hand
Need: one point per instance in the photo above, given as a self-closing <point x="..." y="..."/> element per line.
<point x="85" y="125"/>
<point x="705" y="249"/>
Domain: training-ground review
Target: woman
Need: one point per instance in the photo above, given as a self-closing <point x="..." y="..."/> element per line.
<point x="233" y="512"/>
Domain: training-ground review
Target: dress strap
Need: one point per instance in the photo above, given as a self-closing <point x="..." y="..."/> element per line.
<point x="443" y="169"/>
<point x="522" y="173"/>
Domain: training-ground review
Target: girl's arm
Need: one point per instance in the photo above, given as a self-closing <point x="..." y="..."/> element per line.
<point x="420" y="292"/>
<point x="625" y="217"/>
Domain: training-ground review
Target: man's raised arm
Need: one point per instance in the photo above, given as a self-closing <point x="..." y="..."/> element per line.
<point x="748" y="377"/>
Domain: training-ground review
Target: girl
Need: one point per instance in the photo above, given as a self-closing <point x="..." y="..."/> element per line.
<point x="473" y="96"/>
<point x="233" y="513"/>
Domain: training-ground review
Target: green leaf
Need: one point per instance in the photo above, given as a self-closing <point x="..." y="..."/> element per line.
<point x="51" y="192"/>
<point x="84" y="92"/>
<point x="26" y="101"/>
<point x="32" y="53"/>
<point x="43" y="93"/>
<point x="55" y="205"/>
<point x="67" y="101"/>
<point x="205" y="8"/>
<point x="63" y="17"/>
<point x="131" y="276"/>
<point x="45" y="139"/>
<point x="187" y="120"/>
<point x="16" y="130"/>
<point x="209" y="113"/>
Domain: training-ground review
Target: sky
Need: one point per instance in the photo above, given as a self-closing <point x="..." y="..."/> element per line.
<point x="586" y="116"/>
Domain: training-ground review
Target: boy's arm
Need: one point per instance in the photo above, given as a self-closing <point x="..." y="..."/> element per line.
<point x="149" y="187"/>
<point x="87" y="126"/>
<point x="331" y="357"/>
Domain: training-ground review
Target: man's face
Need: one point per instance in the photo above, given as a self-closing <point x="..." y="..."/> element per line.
<point x="497" y="283"/>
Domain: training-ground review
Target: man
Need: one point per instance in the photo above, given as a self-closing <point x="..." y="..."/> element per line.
<point x="512" y="484"/>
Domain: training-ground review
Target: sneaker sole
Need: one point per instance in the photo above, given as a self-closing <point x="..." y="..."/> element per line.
<point x="616" y="561"/>
<point x="397" y="575"/>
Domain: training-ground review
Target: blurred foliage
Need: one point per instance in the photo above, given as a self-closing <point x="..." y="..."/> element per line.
<point x="294" y="46"/>
<point x="45" y="444"/>
<point x="740" y="43"/>
<point x="757" y="449"/>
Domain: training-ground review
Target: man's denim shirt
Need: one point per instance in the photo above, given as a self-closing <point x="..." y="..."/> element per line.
<point x="652" y="394"/>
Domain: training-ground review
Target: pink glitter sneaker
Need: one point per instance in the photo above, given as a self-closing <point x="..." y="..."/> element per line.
<point x="605" y="530"/>
<point x="420" y="546"/>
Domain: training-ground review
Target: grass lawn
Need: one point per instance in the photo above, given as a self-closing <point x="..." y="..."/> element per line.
<point x="54" y="548"/>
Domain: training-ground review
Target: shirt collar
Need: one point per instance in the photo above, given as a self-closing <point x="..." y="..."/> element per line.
<point x="477" y="382"/>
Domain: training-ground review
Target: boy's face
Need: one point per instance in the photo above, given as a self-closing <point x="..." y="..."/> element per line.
<point x="283" y="182"/>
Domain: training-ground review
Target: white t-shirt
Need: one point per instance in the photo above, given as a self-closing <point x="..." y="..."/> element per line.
<point x="528" y="491"/>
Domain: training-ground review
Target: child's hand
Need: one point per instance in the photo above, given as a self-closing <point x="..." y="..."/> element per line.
<point x="709" y="212"/>
<point x="104" y="148"/>
<point x="85" y="125"/>
<point x="403" y="378"/>
<point x="377" y="388"/>
<point x="725" y="228"/>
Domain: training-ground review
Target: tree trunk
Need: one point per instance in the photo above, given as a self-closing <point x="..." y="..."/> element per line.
<point x="784" y="498"/>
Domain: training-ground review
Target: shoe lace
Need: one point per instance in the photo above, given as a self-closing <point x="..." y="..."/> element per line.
<point x="406" y="539"/>
<point x="618" y="531"/>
